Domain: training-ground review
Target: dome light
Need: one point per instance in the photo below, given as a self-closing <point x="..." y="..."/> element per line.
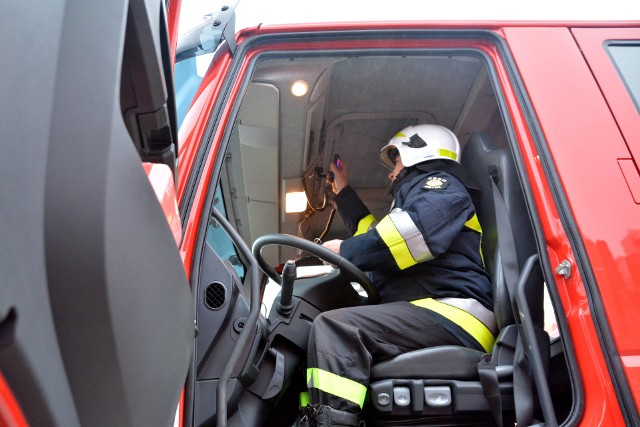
<point x="299" y="88"/>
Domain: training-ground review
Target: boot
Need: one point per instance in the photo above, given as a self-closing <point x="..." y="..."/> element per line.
<point x="325" y="416"/>
<point x="308" y="416"/>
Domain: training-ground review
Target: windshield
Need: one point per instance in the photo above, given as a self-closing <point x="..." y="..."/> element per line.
<point x="200" y="32"/>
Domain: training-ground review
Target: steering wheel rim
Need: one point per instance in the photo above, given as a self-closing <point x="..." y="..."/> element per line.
<point x="345" y="266"/>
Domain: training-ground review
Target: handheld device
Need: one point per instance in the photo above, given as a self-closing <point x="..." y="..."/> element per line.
<point x="336" y="161"/>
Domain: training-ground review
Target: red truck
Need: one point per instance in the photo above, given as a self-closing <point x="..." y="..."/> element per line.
<point x="119" y="310"/>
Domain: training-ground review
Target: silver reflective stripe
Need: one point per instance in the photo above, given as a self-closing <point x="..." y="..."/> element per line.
<point x="475" y="309"/>
<point x="411" y="235"/>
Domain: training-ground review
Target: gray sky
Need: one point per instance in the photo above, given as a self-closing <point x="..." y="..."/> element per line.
<point x="254" y="12"/>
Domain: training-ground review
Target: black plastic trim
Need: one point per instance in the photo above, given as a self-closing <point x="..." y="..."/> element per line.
<point x="531" y="344"/>
<point x="244" y="342"/>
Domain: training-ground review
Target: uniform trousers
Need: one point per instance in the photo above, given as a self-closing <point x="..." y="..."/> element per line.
<point x="344" y="343"/>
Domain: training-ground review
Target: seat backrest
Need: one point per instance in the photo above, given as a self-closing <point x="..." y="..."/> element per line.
<point x="484" y="161"/>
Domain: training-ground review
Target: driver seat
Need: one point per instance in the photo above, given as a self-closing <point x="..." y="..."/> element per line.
<point x="443" y="381"/>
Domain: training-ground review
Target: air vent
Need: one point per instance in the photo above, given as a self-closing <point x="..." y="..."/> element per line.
<point x="214" y="295"/>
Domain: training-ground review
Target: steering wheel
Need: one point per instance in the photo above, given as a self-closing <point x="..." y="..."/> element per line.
<point x="350" y="271"/>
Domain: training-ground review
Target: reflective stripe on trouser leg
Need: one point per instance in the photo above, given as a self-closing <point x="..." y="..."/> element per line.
<point x="404" y="239"/>
<point x="304" y="399"/>
<point x="347" y="341"/>
<point x="341" y="387"/>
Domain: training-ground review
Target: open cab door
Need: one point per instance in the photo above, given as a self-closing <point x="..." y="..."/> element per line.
<point x="96" y="316"/>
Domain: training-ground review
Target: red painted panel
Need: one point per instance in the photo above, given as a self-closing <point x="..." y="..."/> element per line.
<point x="592" y="42"/>
<point x="574" y="118"/>
<point x="585" y="144"/>
<point x="10" y="413"/>
<point x="162" y="181"/>
<point x="173" y="19"/>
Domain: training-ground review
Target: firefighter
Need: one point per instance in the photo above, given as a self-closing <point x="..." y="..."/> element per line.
<point x="424" y="257"/>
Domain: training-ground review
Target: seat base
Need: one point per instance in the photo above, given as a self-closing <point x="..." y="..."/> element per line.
<point x="467" y="420"/>
<point x="411" y="397"/>
<point x="443" y="362"/>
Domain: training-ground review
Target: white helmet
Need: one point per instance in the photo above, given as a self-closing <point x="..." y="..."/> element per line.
<point x="420" y="143"/>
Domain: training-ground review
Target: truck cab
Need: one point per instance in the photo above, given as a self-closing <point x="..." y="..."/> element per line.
<point x="148" y="313"/>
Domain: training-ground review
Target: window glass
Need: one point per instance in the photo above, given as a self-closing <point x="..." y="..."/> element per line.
<point x="196" y="44"/>
<point x="187" y="77"/>
<point x="218" y="239"/>
<point x="626" y="58"/>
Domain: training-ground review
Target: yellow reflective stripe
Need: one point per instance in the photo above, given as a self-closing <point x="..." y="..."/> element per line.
<point x="338" y="386"/>
<point x="474" y="224"/>
<point x="304" y="399"/>
<point x="411" y="235"/>
<point x="400" y="135"/>
<point x="396" y="244"/>
<point x="364" y="224"/>
<point x="466" y="321"/>
<point x="447" y="153"/>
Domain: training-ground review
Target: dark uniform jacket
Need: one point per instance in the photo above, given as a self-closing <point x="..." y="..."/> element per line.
<point x="427" y="246"/>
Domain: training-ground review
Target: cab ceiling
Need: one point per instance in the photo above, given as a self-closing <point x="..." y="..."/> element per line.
<point x="368" y="100"/>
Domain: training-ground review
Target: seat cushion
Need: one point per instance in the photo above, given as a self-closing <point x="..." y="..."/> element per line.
<point x="443" y="362"/>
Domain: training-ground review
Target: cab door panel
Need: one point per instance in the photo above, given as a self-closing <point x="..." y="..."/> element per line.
<point x="96" y="315"/>
<point x="595" y="44"/>
<point x="623" y="262"/>
<point x="582" y="144"/>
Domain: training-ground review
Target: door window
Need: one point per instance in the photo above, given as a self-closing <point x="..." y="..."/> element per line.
<point x="220" y="241"/>
<point x="626" y="58"/>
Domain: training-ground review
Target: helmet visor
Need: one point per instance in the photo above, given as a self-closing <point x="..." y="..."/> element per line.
<point x="389" y="157"/>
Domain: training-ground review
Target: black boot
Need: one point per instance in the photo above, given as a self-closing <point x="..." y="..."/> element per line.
<point x="308" y="416"/>
<point x="325" y="416"/>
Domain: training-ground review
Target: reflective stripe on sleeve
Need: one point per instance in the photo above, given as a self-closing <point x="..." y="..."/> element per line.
<point x="364" y="224"/>
<point x="474" y="224"/>
<point x="341" y="387"/>
<point x="404" y="239"/>
<point x="474" y="327"/>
